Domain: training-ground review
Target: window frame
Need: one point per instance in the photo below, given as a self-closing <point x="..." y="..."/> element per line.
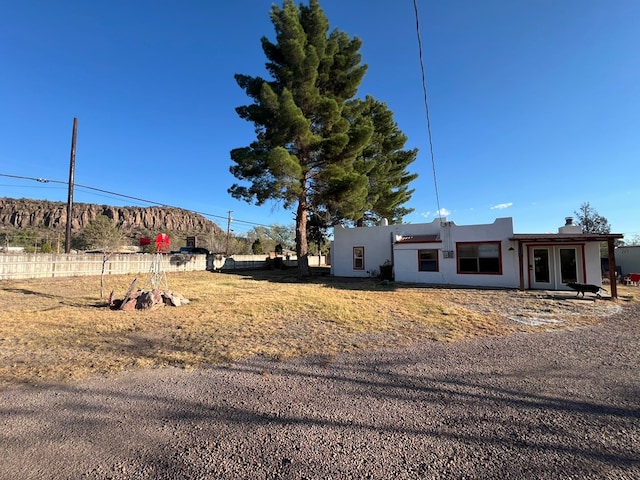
<point x="436" y="259"/>
<point x="359" y="257"/>
<point x="477" y="258"/>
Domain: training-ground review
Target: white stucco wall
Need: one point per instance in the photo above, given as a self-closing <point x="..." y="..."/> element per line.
<point x="377" y="243"/>
<point x="406" y="256"/>
<point x="593" y="267"/>
<point x="380" y="245"/>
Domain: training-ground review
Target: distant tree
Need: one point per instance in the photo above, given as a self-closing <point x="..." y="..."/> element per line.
<point x="102" y="234"/>
<point x="46" y="248"/>
<point x="261" y="233"/>
<point x="256" y="247"/>
<point x="284" y="235"/>
<point x="317" y="226"/>
<point x="215" y="240"/>
<point x="590" y="221"/>
<point x="239" y="245"/>
<point x="25" y="238"/>
<point x="631" y="241"/>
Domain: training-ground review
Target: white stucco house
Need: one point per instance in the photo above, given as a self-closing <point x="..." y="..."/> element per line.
<point x="490" y="255"/>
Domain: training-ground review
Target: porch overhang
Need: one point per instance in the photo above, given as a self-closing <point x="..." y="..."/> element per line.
<point x="567" y="238"/>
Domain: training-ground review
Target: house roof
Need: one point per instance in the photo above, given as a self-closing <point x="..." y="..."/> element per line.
<point x="565" y="237"/>
<point x="418" y="239"/>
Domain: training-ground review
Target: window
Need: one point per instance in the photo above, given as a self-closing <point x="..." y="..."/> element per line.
<point x="479" y="257"/>
<point x="428" y="260"/>
<point x="358" y="258"/>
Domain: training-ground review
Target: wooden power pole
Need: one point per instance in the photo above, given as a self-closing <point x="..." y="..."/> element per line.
<point x="226" y="248"/>
<point x="72" y="168"/>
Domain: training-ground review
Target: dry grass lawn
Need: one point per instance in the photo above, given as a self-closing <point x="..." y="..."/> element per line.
<point x="54" y="330"/>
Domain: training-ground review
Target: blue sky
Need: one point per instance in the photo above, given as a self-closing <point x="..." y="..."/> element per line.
<point x="534" y="104"/>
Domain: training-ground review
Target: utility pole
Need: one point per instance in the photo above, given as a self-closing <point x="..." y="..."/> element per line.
<point x="226" y="248"/>
<point x="72" y="168"/>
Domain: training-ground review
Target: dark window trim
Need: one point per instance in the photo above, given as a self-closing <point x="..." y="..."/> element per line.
<point x="354" y="258"/>
<point x="495" y="242"/>
<point x="437" y="259"/>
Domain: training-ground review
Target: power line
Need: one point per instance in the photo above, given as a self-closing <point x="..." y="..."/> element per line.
<point x="138" y="199"/>
<point x="426" y="106"/>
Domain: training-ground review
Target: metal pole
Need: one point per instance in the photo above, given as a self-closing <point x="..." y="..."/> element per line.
<point x="72" y="167"/>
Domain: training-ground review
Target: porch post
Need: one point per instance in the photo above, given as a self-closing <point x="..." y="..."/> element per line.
<point x="520" y="265"/>
<point x="612" y="268"/>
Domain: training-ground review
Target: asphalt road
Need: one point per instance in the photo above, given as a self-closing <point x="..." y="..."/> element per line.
<point x="556" y="405"/>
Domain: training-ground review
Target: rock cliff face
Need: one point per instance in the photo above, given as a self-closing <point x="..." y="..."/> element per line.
<point x="40" y="214"/>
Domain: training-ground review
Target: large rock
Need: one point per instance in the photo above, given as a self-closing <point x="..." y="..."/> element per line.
<point x="146" y="300"/>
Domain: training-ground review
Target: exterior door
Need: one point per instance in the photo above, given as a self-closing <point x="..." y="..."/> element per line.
<point x="568" y="265"/>
<point x="541" y="268"/>
<point x="552" y="267"/>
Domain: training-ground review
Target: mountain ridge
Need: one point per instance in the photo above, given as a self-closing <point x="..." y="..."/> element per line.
<point x="133" y="222"/>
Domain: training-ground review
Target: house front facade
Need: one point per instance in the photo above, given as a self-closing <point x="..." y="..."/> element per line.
<point x="488" y="255"/>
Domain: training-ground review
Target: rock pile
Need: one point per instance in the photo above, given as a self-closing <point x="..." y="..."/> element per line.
<point x="147" y="300"/>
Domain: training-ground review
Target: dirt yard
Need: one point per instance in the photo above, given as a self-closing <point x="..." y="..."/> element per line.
<point x="561" y="403"/>
<point x="60" y="330"/>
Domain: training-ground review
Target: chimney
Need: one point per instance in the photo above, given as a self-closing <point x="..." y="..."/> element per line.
<point x="570" y="227"/>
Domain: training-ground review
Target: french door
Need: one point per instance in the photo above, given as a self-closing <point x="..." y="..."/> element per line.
<point x="541" y="268"/>
<point x="568" y="265"/>
<point x="553" y="267"/>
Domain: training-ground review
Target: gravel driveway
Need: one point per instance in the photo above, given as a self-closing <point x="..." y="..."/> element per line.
<point x="556" y="405"/>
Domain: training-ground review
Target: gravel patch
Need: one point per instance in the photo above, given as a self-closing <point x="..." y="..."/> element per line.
<point x="562" y="404"/>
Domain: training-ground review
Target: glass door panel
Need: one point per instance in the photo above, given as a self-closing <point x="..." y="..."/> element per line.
<point x="568" y="265"/>
<point x="541" y="265"/>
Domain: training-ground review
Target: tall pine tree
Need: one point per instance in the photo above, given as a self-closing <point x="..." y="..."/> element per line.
<point x="385" y="163"/>
<point x="311" y="131"/>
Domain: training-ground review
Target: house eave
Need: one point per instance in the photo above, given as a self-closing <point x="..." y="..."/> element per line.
<point x="565" y="237"/>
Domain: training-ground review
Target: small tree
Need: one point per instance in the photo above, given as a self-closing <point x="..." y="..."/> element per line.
<point x="102" y="234"/>
<point x="256" y="247"/>
<point x="284" y="235"/>
<point x="590" y="221"/>
<point x="633" y="241"/>
<point x="239" y="245"/>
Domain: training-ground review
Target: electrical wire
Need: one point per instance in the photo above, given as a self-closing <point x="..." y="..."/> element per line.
<point x="426" y="106"/>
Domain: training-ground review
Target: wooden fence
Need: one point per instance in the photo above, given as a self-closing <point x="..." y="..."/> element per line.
<point x="42" y="265"/>
<point x="15" y="266"/>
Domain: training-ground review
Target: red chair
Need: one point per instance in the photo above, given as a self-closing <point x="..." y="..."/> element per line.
<point x="632" y="279"/>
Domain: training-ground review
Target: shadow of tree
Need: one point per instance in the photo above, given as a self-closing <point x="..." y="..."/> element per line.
<point x="375" y="407"/>
<point x="319" y="277"/>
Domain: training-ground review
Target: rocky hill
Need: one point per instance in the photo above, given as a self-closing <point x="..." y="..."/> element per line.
<point x="43" y="215"/>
